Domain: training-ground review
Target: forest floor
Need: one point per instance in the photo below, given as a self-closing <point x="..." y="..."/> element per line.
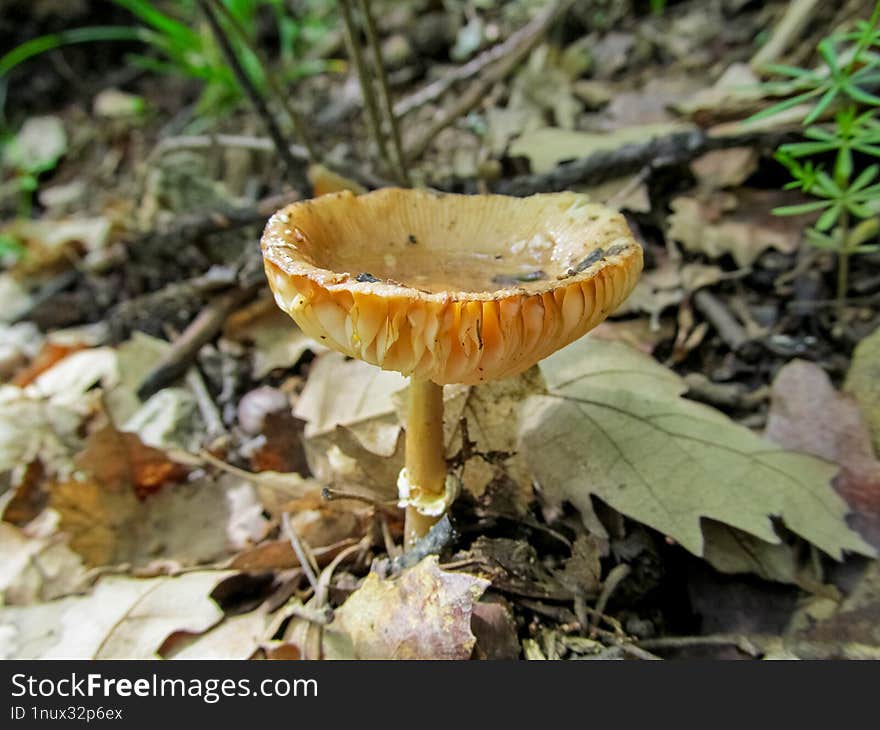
<point x="185" y="474"/>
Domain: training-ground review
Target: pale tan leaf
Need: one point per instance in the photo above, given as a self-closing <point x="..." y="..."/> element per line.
<point x="122" y="618"/>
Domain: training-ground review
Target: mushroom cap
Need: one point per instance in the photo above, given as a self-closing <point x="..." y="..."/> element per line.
<point x="451" y="288"/>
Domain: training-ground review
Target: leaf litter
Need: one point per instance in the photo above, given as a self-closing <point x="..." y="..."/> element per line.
<point x="591" y="483"/>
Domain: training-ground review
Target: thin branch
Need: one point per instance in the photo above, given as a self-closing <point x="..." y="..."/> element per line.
<point x="536" y="28"/>
<point x="304" y="562"/>
<point x="247" y="84"/>
<point x="354" y="52"/>
<point x="296" y="120"/>
<point x="436" y="89"/>
<point x="200" y="331"/>
<point x="384" y="94"/>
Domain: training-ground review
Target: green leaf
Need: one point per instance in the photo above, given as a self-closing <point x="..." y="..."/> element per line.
<point x="783" y="106"/>
<point x="828" y="218"/>
<point x="861" y="95"/>
<point x="801" y="208"/>
<point x="865" y="177"/>
<point x="821" y="106"/>
<point x="614" y="425"/>
<point x="44" y="43"/>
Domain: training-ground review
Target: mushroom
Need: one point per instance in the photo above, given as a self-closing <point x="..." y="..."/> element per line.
<point x="446" y="289"/>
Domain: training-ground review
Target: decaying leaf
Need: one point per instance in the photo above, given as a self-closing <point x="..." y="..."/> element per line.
<point x="122" y="618"/>
<point x="863" y="381"/>
<point x="35" y="568"/>
<point x="277" y="342"/>
<point x="188" y="524"/>
<point x="614" y="425"/>
<point x="120" y="461"/>
<point x="32" y="428"/>
<point x="548" y="147"/>
<point x="491" y="412"/>
<point x="740" y="225"/>
<point x="725" y="168"/>
<point x="807" y="414"/>
<point x="236" y="637"/>
<point x="424" y="613"/>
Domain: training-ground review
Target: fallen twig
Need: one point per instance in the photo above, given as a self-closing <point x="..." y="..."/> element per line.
<point x="436" y="89"/>
<point x="372" y="112"/>
<point x="195" y="225"/>
<point x="304" y="562"/>
<point x="740" y="642"/>
<point x="384" y="94"/>
<point x="671" y="149"/>
<point x="725" y="324"/>
<point x="536" y="29"/>
<point x="200" y="331"/>
<point x="797" y="16"/>
<point x="259" y="103"/>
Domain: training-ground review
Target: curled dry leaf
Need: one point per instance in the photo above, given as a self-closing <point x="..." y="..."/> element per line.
<point x="614" y="425"/>
<point x="424" y="613"/>
<point x="807" y="414"/>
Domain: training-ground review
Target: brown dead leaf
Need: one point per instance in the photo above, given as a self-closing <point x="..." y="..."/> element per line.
<point x="807" y="414"/>
<point x="491" y="412"/>
<point x="29" y="496"/>
<point x="280" y="555"/>
<point x="188" y="524"/>
<point x="741" y="224"/>
<point x="725" y="168"/>
<point x="281" y="447"/>
<point x="495" y="628"/>
<point x="424" y="613"/>
<point x="119" y="460"/>
<point x="863" y="381"/>
<point x="50" y="354"/>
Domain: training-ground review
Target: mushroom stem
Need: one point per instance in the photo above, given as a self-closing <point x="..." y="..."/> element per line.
<point x="425" y="459"/>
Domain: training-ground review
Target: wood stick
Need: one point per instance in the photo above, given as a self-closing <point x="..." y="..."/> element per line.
<point x="259" y="103"/>
<point x="537" y="28"/>
<point x="384" y="94"/>
<point x="354" y="51"/>
<point x="200" y="331"/>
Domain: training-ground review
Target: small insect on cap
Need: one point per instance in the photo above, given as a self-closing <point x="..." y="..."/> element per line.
<point x="451" y="288"/>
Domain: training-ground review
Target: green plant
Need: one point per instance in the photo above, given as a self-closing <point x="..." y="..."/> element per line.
<point x="180" y="44"/>
<point x="830" y="162"/>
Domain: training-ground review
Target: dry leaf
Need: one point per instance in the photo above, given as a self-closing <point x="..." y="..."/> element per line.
<point x="424" y="613"/>
<point x="36" y="568"/>
<point x="741" y="225"/>
<point x="548" y="147"/>
<point x="189" y="524"/>
<point x="863" y="381"/>
<point x="615" y="425"/>
<point x="725" y="168"/>
<point x="122" y="618"/>
<point x="120" y="461"/>
<point x="807" y="414"/>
